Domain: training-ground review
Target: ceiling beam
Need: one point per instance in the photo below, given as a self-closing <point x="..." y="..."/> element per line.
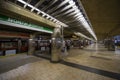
<point x="28" y="1"/>
<point x="58" y="6"/>
<point x="6" y="7"/>
<point x="39" y="3"/>
<point x="49" y="5"/>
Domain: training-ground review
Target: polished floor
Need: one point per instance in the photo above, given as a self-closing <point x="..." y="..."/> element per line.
<point x="92" y="63"/>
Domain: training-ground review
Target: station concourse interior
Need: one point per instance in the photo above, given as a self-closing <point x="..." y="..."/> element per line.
<point x="59" y="40"/>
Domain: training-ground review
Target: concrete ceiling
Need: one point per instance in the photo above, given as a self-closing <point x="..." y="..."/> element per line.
<point x="54" y="8"/>
<point x="104" y="16"/>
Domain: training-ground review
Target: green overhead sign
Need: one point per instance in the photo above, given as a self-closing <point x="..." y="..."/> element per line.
<point x="21" y="24"/>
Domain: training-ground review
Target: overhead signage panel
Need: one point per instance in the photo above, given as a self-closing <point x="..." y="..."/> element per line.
<point x="21" y="24"/>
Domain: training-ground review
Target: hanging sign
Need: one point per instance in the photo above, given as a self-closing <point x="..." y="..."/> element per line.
<point x="21" y="24"/>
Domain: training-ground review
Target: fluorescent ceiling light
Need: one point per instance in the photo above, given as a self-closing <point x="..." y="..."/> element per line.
<point x="69" y="6"/>
<point x="82" y="35"/>
<point x="44" y="14"/>
<point x="78" y="15"/>
<point x="71" y="2"/>
<point x="81" y="19"/>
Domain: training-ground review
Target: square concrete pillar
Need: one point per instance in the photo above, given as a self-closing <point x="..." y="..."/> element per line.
<point x="31" y="44"/>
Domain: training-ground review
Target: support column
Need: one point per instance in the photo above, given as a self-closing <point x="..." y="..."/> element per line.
<point x="31" y="44"/>
<point x="111" y="44"/>
<point x="56" y="45"/>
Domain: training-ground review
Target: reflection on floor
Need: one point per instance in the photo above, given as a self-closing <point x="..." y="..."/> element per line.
<point x="92" y="63"/>
<point x="9" y="63"/>
<point x="96" y="56"/>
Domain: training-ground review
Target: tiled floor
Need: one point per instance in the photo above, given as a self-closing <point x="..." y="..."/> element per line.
<point x="44" y="70"/>
<point x="96" y="56"/>
<point x="12" y="62"/>
<point x="90" y="62"/>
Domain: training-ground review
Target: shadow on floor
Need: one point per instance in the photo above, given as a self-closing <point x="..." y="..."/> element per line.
<point x="9" y="64"/>
<point x="90" y="69"/>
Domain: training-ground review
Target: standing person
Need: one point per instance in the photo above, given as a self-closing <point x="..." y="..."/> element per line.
<point x="68" y="45"/>
<point x="50" y="47"/>
<point x="113" y="44"/>
<point x="64" y="52"/>
<point x="116" y="43"/>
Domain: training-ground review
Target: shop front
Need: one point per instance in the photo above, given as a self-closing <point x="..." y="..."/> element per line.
<point x="13" y="42"/>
